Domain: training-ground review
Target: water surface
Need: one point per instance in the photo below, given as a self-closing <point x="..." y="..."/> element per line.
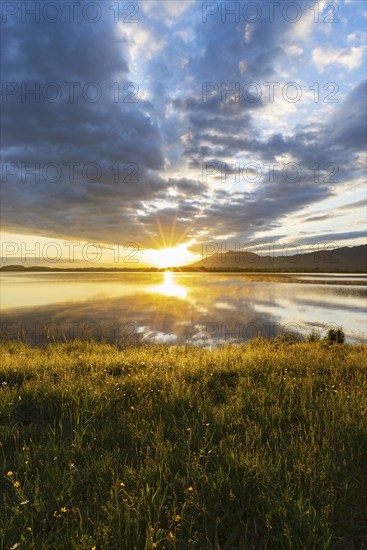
<point x="197" y="308"/>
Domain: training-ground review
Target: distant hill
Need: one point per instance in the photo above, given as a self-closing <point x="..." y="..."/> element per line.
<point x="346" y="259"/>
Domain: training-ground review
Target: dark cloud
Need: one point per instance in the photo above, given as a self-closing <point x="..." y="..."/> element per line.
<point x="332" y="238"/>
<point x="352" y="205"/>
<point x="122" y="138"/>
<point x="318" y="218"/>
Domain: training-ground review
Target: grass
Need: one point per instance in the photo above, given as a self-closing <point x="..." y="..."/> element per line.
<point x="244" y="447"/>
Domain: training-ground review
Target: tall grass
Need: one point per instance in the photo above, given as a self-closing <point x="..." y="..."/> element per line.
<point x="244" y="447"/>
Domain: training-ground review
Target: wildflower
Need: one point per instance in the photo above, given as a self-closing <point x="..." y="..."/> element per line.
<point x="177" y="518"/>
<point x="190" y="489"/>
<point x="63" y="510"/>
<point x="154" y="545"/>
<point x="122" y="484"/>
<point x="94" y="548"/>
<point x="9" y="474"/>
<point x="171" y="535"/>
<point x="16" y="484"/>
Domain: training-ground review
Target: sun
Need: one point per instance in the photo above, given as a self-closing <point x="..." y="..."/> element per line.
<point x="170" y="257"/>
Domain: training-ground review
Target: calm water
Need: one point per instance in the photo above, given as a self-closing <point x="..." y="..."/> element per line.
<point x="202" y="309"/>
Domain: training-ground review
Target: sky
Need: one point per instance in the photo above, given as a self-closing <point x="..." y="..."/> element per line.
<point x="135" y="133"/>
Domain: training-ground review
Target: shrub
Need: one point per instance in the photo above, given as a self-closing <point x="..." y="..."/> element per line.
<point x="314" y="336"/>
<point x="335" y="336"/>
<point x="289" y="337"/>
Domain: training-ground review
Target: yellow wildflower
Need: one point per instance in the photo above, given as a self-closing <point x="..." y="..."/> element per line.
<point x="16" y="484"/>
<point x="10" y="473"/>
<point x="177" y="518"/>
<point x="171" y="535"/>
<point x="190" y="489"/>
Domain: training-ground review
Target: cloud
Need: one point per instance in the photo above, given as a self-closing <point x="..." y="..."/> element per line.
<point x="171" y="131"/>
<point x="333" y="238"/>
<point x="308" y="20"/>
<point x="353" y="205"/>
<point x="350" y="59"/>
<point x="318" y="218"/>
<point x="294" y="49"/>
<point x="165" y="9"/>
<point x="74" y="131"/>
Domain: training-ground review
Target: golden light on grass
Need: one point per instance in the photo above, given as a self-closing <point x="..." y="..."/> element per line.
<point x="239" y="391"/>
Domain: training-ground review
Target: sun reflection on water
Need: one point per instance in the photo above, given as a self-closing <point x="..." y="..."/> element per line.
<point x="170" y="287"/>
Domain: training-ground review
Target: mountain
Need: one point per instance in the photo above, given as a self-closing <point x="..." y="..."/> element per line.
<point x="345" y="259"/>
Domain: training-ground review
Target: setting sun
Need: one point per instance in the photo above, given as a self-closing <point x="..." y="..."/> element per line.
<point x="170" y="257"/>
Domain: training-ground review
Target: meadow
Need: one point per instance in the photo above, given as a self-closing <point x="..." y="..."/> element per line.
<point x="260" y="445"/>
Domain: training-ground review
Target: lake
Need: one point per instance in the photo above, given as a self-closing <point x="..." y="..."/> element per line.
<point x="204" y="309"/>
